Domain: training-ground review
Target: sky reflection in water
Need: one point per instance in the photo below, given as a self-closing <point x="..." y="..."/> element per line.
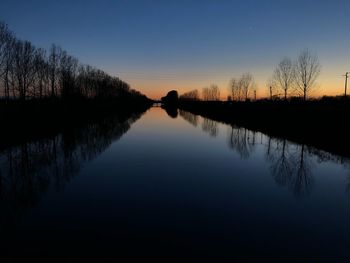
<point x="181" y="186"/>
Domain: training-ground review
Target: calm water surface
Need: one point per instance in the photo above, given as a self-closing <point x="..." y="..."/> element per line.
<point x="173" y="188"/>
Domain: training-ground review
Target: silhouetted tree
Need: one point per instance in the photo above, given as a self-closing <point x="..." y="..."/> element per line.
<point x="171" y="98"/>
<point x="42" y="74"/>
<point x="246" y="83"/>
<point x="7" y="42"/>
<point x="23" y="65"/>
<point x="4" y="34"/>
<point x="283" y="76"/>
<point x="68" y="66"/>
<point x="54" y="58"/>
<point x="211" y="93"/>
<point x="235" y="90"/>
<point x="307" y="69"/>
<point x="28" y="72"/>
<point x="192" y="95"/>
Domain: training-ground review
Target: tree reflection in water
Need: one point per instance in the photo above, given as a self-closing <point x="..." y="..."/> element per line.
<point x="210" y="127"/>
<point x="290" y="164"/>
<point x="303" y="180"/>
<point x="29" y="169"/>
<point x="282" y="162"/>
<point x="242" y="141"/>
<point x="189" y="117"/>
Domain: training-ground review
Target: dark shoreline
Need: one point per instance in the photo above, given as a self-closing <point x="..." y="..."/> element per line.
<point x="321" y="124"/>
<point x="32" y="120"/>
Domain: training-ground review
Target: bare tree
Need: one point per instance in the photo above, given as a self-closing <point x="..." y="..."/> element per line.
<point x="7" y="41"/>
<point x="190" y="95"/>
<point x="211" y="94"/>
<point x="4" y="34"/>
<point x="205" y="93"/>
<point x="68" y="70"/>
<point x="307" y="69"/>
<point x="54" y="57"/>
<point x="283" y="76"/>
<point x="24" y="69"/>
<point x="246" y="83"/>
<point x="42" y="73"/>
<point x="235" y="90"/>
<point x="215" y="92"/>
<point x="27" y="72"/>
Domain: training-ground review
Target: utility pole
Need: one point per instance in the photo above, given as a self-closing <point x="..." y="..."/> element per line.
<point x="270" y="92"/>
<point x="346" y="82"/>
<point x="255" y="95"/>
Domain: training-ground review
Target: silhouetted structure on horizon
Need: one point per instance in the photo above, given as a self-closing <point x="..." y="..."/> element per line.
<point x="171" y="99"/>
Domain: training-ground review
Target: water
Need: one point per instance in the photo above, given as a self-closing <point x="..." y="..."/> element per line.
<point x="172" y="188"/>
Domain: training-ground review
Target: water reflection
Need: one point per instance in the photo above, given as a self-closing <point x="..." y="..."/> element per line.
<point x="242" y="141"/>
<point x="210" y="127"/>
<point x="282" y="161"/>
<point x="170" y="187"/>
<point x="27" y="170"/>
<point x="171" y="111"/>
<point x="290" y="164"/>
<point x="191" y="118"/>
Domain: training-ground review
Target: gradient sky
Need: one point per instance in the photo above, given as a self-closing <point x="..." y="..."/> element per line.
<point x="185" y="44"/>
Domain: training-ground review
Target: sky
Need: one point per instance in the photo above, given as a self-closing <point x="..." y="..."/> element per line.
<point x="157" y="46"/>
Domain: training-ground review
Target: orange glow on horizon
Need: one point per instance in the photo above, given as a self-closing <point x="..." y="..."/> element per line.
<point x="156" y="90"/>
<point x="156" y="85"/>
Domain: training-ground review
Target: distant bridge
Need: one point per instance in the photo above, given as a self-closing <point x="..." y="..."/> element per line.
<point x="157" y="104"/>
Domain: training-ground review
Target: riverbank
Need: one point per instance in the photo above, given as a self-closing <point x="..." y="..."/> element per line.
<point x="320" y="123"/>
<point x="35" y="119"/>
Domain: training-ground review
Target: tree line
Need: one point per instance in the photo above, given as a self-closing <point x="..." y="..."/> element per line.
<point x="239" y="90"/>
<point x="28" y="72"/>
<point x="211" y="93"/>
<point x="295" y="78"/>
<point x="290" y="78"/>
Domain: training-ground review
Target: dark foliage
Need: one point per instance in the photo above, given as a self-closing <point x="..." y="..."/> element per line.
<point x="27" y="72"/>
<point x="319" y="123"/>
<point x="171" y="98"/>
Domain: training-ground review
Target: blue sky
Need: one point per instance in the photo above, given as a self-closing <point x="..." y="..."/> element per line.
<point x="158" y="45"/>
